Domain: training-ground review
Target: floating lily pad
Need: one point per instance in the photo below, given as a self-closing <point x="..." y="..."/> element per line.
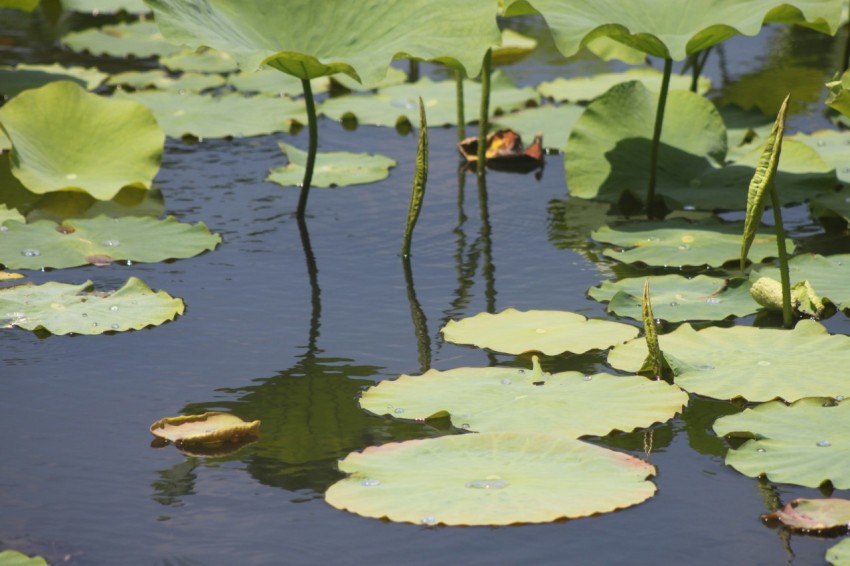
<point x="60" y="308"/>
<point x="332" y="169"/>
<point x="680" y="243"/>
<point x="832" y="146"/>
<point x="219" y="116"/>
<point x="805" y="443"/>
<point x="274" y="83"/>
<point x="839" y="94"/>
<point x="832" y="205"/>
<point x="207" y="429"/>
<point x="204" y="60"/>
<point x="393" y="104"/>
<point x="489" y="479"/>
<point x="66" y="138"/>
<point x="106" y="6"/>
<point x="550" y="332"/>
<point x="609" y="50"/>
<point x="757" y="364"/>
<point x="498" y="399"/>
<point x="813" y="514"/>
<point x="554" y="122"/>
<point x="766" y="88"/>
<point x="839" y="554"/>
<point x="22" y="77"/>
<point x="578" y="89"/>
<point x="393" y="77"/>
<point x="101" y="241"/>
<point x="15" y="558"/>
<point x="513" y="47"/>
<point x="676" y="298"/>
<point x="159" y="79"/>
<point x="139" y="39"/>
<point x="828" y="276"/>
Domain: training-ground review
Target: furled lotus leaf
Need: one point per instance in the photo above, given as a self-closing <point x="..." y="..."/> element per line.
<point x="204" y="60"/>
<point x="578" y="89"/>
<point x="332" y="169"/>
<point x="828" y="276"/>
<point x="679" y="243"/>
<point x="101" y="241"/>
<point x="273" y="82"/>
<point x="105" y="6"/>
<point x="550" y="332"/>
<point x="310" y="39"/>
<point x="663" y="29"/>
<point x="676" y="298"/>
<point x="210" y="428"/>
<point x="554" y="122"/>
<point x="805" y="443"/>
<point x="66" y="138"/>
<point x="219" y="116"/>
<point x="22" y="77"/>
<point x="757" y="364"/>
<point x="159" y="79"/>
<point x="813" y="514"/>
<point x="839" y="94"/>
<point x="60" y="308"/>
<point x="513" y="47"/>
<point x="832" y="146"/>
<point x="396" y="103"/>
<point x="140" y="39"/>
<point x="839" y="554"/>
<point x="489" y="479"/>
<point x="498" y="399"/>
<point x="15" y="558"/>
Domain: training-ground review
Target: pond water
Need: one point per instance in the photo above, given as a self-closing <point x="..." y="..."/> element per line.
<point x="289" y="326"/>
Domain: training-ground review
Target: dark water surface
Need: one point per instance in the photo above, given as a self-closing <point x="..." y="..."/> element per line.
<point x="289" y="327"/>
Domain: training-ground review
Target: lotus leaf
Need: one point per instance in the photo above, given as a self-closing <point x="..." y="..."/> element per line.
<point x="208" y="429"/>
<point x="219" y="116"/>
<point x="139" y="39"/>
<point x="550" y="332"/>
<point x="333" y="169"/>
<point x="310" y="39"/>
<point x="608" y="49"/>
<point x="832" y="146"/>
<point x="66" y="138"/>
<point x="489" y="479"/>
<point x="274" y="83"/>
<point x="203" y="60"/>
<point x="804" y="301"/>
<point x="578" y="89"/>
<point x="676" y="298"/>
<point x="400" y="103"/>
<point x="839" y="554"/>
<point x="767" y="88"/>
<point x="517" y="400"/>
<point x="663" y="29"/>
<point x="96" y="7"/>
<point x="679" y="243"/>
<point x="10" y="214"/>
<point x="513" y="47"/>
<point x="60" y="308"/>
<point x="804" y="444"/>
<point x="22" y="5"/>
<point x="394" y="77"/>
<point x="101" y="241"/>
<point x="813" y="514"/>
<point x="757" y="364"/>
<point x="554" y="122"/>
<point x="15" y="558"/>
<point x="159" y="79"/>
<point x="828" y="276"/>
<point x="22" y="77"/>
<point x="834" y="204"/>
<point x="839" y="94"/>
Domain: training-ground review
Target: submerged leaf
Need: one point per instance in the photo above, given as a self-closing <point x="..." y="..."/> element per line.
<point x="813" y="514"/>
<point x="207" y="429"/>
<point x="332" y="169"/>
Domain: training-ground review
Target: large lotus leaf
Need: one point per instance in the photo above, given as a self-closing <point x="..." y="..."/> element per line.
<point x="834" y="204"/>
<point x="203" y="60"/>
<point x="22" y="77"/>
<point x="60" y="308"/>
<point x="96" y="7"/>
<point x="100" y="241"/>
<point x="139" y="39"/>
<point x="219" y="116"/>
<point x="489" y="479"/>
<point x="273" y="82"/>
<point x="665" y="28"/>
<point x="579" y="89"/>
<point x="680" y="243"/>
<point x="806" y="443"/>
<point x="833" y="146"/>
<point x="813" y="514"/>
<point x="608" y="49"/>
<point x="311" y="39"/>
<point x="554" y="122"/>
<point x="498" y="399"/>
<point x="394" y="76"/>
<point x="676" y="298"/>
<point x="827" y="275"/>
<point x="839" y="554"/>
<point x="15" y="558"/>
<point x="757" y="364"/>
<point x="332" y="169"/>
<point x="66" y="138"/>
<point x="401" y="102"/>
<point x="159" y="79"/>
<point x="550" y="332"/>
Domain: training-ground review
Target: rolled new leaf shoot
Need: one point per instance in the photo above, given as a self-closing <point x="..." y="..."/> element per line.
<point x="654" y="362"/>
<point x="420" y="179"/>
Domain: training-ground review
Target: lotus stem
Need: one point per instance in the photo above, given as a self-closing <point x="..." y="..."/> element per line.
<point x="483" y="124"/>
<point x="313" y="144"/>
<point x="413" y="74"/>
<point x="461" y="118"/>
<point x="656" y="138"/>
<point x="699" y="60"/>
<point x="784" y="274"/>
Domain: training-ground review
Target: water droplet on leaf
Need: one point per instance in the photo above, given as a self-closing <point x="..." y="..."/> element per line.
<point x="488" y="484"/>
<point x="370" y="483"/>
<point x="29" y="252"/>
<point x="763" y="363"/>
<point x="824" y="443"/>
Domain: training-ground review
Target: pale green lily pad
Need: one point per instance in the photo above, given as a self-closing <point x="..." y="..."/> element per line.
<point x="22" y="77"/>
<point x="676" y="298"/>
<point x="7" y="213"/>
<point x="804" y="444"/>
<point x="204" y="60"/>
<point x="555" y="122"/>
<point x="309" y="39"/>
<point x="813" y="514"/>
<point x="15" y="558"/>
<point x="513" y="47"/>
<point x="827" y="275"/>
<point x="839" y="554"/>
<point x="680" y="243"/>
<point x="757" y="364"/>
<point x="549" y="332"/>
<point x="579" y="89"/>
<point x="140" y="39"/>
<point x="60" y="308"/>
<point x="273" y="82"/>
<point x="159" y="79"/>
<point x="498" y="399"/>
<point x="833" y="146"/>
<point x="393" y="104"/>
<point x="106" y="6"/>
<point x="66" y="138"/>
<point x="489" y="479"/>
<point x="332" y="169"/>
<point x="219" y="116"/>
<point x="101" y="241"/>
<point x="394" y="77"/>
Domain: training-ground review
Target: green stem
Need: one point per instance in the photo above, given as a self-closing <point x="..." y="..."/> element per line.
<point x="311" y="148"/>
<point x="461" y="118"/>
<point x="483" y="124"/>
<point x="656" y="138"/>
<point x="413" y="74"/>
<point x="783" y="258"/>
<point x="699" y="64"/>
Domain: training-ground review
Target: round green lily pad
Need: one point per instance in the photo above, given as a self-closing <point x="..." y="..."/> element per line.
<point x="274" y="83"/>
<point x="757" y="364"/>
<point x="813" y="514"/>
<point x="839" y="554"/>
<point x="22" y="77"/>
<point x="15" y="558"/>
<point x="806" y="443"/>
<point x="204" y="60"/>
<point x="139" y="39"/>
<point x="489" y="479"/>
<point x="332" y="169"/>
<point x="828" y="275"/>
<point x="578" y="89"/>
<point x="60" y="308"/>
<point x="554" y="122"/>
<point x="159" y="79"/>
<point x="549" y="332"/>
